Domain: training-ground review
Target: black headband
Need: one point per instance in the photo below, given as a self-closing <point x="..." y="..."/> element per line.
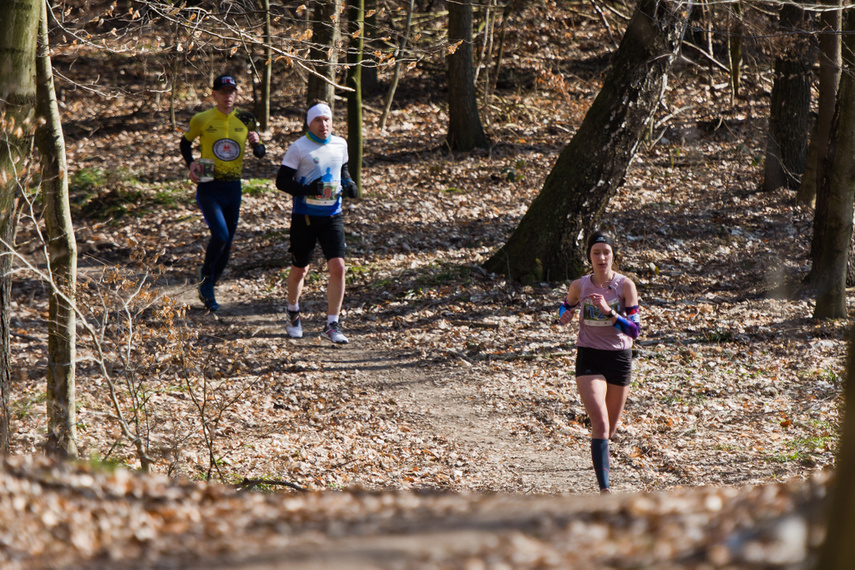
<point x="604" y="239"/>
<point x="601" y="238"/>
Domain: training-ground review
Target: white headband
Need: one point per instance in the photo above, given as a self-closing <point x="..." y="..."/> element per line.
<point x="319" y="110"/>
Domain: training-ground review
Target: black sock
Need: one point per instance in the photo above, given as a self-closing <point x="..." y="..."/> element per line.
<point x="600" y="456"/>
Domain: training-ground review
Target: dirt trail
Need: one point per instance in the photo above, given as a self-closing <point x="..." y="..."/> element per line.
<point x="440" y="400"/>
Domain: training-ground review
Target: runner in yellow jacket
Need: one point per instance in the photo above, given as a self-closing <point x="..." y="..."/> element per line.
<point x="223" y="132"/>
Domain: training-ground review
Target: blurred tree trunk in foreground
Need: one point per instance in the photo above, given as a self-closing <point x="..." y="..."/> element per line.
<point x="62" y="259"/>
<point x="838" y="551"/>
<point x="548" y="243"/>
<point x="19" y="27"/>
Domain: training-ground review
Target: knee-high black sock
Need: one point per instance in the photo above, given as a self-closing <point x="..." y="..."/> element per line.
<point x="600" y="456"/>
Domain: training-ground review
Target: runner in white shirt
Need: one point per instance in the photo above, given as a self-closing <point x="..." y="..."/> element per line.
<point x="314" y="171"/>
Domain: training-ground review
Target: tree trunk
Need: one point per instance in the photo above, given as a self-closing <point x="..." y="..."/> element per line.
<point x="62" y="254"/>
<point x="838" y="549"/>
<point x="829" y="269"/>
<point x="850" y="262"/>
<point x="464" y="123"/>
<point x="831" y="57"/>
<point x="175" y="54"/>
<point x="390" y="94"/>
<point x="354" y="98"/>
<point x="370" y="82"/>
<point x="18" y="31"/>
<point x="786" y="143"/>
<point x="548" y="243"/>
<point x="734" y="51"/>
<point x="324" y="52"/>
<point x="830" y="63"/>
<point x="506" y="14"/>
<point x="263" y="110"/>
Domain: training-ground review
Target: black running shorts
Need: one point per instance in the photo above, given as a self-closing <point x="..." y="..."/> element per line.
<point x="614" y="365"/>
<point x="306" y="231"/>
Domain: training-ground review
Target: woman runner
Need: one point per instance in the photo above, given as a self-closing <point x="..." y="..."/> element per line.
<point x="608" y="323"/>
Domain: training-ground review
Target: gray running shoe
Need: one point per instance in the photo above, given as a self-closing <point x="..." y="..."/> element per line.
<point x="293" y="327"/>
<point x="332" y="331"/>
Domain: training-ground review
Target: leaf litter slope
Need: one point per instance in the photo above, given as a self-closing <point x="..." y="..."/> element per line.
<point x="73" y="517"/>
<point x="456" y="380"/>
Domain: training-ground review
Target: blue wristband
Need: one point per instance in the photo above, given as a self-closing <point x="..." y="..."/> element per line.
<point x="565" y="306"/>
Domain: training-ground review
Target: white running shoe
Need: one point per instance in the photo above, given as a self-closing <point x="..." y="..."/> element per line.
<point x="293" y="327"/>
<point x="332" y="331"/>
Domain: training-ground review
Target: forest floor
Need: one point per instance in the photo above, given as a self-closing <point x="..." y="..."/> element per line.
<point x="448" y="432"/>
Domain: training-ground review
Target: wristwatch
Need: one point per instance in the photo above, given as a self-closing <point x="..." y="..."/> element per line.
<point x="612" y="313"/>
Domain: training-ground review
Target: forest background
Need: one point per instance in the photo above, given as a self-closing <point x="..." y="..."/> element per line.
<point x="456" y="380"/>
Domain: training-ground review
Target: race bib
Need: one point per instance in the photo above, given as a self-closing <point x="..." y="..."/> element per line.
<point x="329" y="197"/>
<point x="594" y="316"/>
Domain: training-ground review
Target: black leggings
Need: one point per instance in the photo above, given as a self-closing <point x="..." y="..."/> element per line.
<point x="220" y="205"/>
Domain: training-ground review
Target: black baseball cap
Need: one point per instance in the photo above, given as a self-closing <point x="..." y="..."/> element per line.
<point x="224" y="80"/>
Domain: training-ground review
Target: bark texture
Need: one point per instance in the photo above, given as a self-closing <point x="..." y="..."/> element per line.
<point x="789" y="116"/>
<point x="326" y="31"/>
<point x="464" y="123"/>
<point x="62" y="254"/>
<point x="263" y="110"/>
<point x="548" y="243"/>
<point x="830" y="64"/>
<point x="19" y="25"/>
<point x="831" y="253"/>
<point x="354" y="98"/>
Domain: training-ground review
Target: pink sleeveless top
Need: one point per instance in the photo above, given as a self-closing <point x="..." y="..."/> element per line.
<point x="595" y="327"/>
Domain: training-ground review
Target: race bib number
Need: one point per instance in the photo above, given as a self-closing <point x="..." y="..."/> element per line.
<point x="329" y="197"/>
<point x="594" y="316"/>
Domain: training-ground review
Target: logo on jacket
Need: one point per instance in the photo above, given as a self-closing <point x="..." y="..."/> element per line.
<point x="226" y="149"/>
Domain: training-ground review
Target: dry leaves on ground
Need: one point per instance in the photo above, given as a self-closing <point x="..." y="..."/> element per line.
<point x="455" y="380"/>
